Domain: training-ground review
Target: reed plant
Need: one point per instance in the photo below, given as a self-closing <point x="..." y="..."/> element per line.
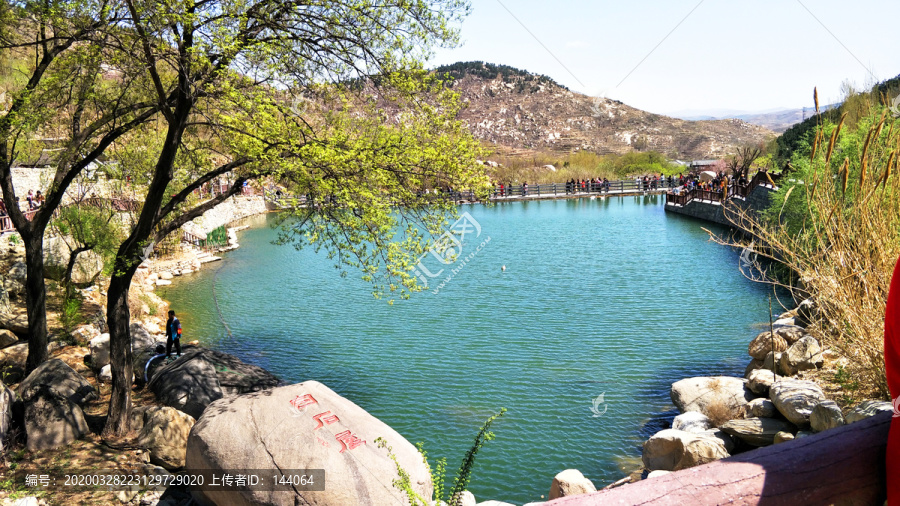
<point x="833" y="233"/>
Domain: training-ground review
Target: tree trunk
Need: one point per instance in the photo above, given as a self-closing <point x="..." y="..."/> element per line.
<point x="120" y="358"/>
<point x="70" y="265"/>
<point x="35" y="301"/>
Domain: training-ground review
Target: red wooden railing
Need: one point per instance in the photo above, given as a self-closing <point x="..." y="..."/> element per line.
<point x="6" y="224"/>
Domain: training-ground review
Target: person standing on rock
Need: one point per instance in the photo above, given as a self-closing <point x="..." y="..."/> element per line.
<point x="173" y="334"/>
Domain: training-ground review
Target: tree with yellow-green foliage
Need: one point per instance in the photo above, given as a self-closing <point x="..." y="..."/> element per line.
<point x="185" y="93"/>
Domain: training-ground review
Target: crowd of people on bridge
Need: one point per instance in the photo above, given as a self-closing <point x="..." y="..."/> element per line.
<point x="720" y="183"/>
<point x="34" y="200"/>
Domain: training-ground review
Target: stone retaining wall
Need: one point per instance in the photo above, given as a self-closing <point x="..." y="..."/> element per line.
<point x="233" y="209"/>
<point x="715" y="212"/>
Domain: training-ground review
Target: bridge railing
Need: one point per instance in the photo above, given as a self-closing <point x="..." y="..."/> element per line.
<point x="514" y="191"/>
<point x="588" y="187"/>
<point x="6" y="224"/>
<point x="734" y="191"/>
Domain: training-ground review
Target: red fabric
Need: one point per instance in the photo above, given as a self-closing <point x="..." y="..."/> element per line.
<point x="892" y="366"/>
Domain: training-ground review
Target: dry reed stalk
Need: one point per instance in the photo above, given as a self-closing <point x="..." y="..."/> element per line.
<point x="844" y="260"/>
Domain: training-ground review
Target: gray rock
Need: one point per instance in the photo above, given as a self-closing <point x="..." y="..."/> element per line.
<point x="781" y="437"/>
<point x="164" y="433"/>
<point x="84" y="333"/>
<point x="867" y="409"/>
<point x="100" y="351"/>
<point x="140" y="338"/>
<point x="760" y="380"/>
<point x="151" y="498"/>
<point x="17" y="323"/>
<point x="105" y="374"/>
<point x="752" y="366"/>
<point x="756" y="431"/>
<point x="826" y="415"/>
<point x="7" y="402"/>
<point x="188" y="384"/>
<point x="725" y="438"/>
<point x="18" y="272"/>
<point x="126" y="495"/>
<point x="51" y="419"/>
<point x="12" y="362"/>
<point x="692" y="421"/>
<point x="657" y="473"/>
<point x="237" y="377"/>
<point x="784" y="322"/>
<point x="791" y="333"/>
<point x="671" y="450"/>
<point x="28" y="501"/>
<point x="702" y="393"/>
<point x="57" y="251"/>
<point x="466" y="498"/>
<point x="761" y="408"/>
<point x="773" y="362"/>
<point x="795" y="399"/>
<point x="803" y="355"/>
<point x="7" y="338"/>
<point x="570" y="482"/>
<point x="279" y="428"/>
<point x="804" y="433"/>
<point x="55" y="374"/>
<point x="764" y="343"/>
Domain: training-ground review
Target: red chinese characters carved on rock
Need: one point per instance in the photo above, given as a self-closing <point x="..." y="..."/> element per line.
<point x="301" y="401"/>
<point x="348" y="441"/>
<point x="325" y="418"/>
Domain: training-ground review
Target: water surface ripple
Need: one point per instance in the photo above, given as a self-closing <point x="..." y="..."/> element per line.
<point x="608" y="297"/>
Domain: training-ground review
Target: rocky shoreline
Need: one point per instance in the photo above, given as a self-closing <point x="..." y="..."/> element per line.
<point x="781" y="397"/>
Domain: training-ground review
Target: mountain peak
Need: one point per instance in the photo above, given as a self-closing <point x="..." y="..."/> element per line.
<point x="520" y="110"/>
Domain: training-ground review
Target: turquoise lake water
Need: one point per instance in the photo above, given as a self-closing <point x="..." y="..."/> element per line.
<point x="607" y="297"/>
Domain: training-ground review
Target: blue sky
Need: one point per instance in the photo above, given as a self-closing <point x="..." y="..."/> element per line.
<point x="726" y="55"/>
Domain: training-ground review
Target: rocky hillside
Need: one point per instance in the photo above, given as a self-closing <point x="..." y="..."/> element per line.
<point x="523" y="111"/>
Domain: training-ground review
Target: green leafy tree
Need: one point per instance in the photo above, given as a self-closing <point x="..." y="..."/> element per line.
<point x="188" y="93"/>
<point x="88" y="226"/>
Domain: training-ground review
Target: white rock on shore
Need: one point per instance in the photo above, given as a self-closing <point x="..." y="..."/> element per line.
<point x="699" y="394"/>
<point x="672" y="450"/>
<point x="803" y="355"/>
<point x="760" y="380"/>
<point x="692" y="421"/>
<point x="570" y="482"/>
<point x="304" y="426"/>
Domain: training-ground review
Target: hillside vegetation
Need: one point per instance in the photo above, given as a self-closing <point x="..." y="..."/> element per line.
<point x="526" y="114"/>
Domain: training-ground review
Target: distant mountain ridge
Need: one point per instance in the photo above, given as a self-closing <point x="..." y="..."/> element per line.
<point x="522" y="111"/>
<point x="777" y="120"/>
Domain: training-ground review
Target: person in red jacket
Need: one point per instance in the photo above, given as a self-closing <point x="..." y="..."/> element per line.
<point x="892" y="367"/>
